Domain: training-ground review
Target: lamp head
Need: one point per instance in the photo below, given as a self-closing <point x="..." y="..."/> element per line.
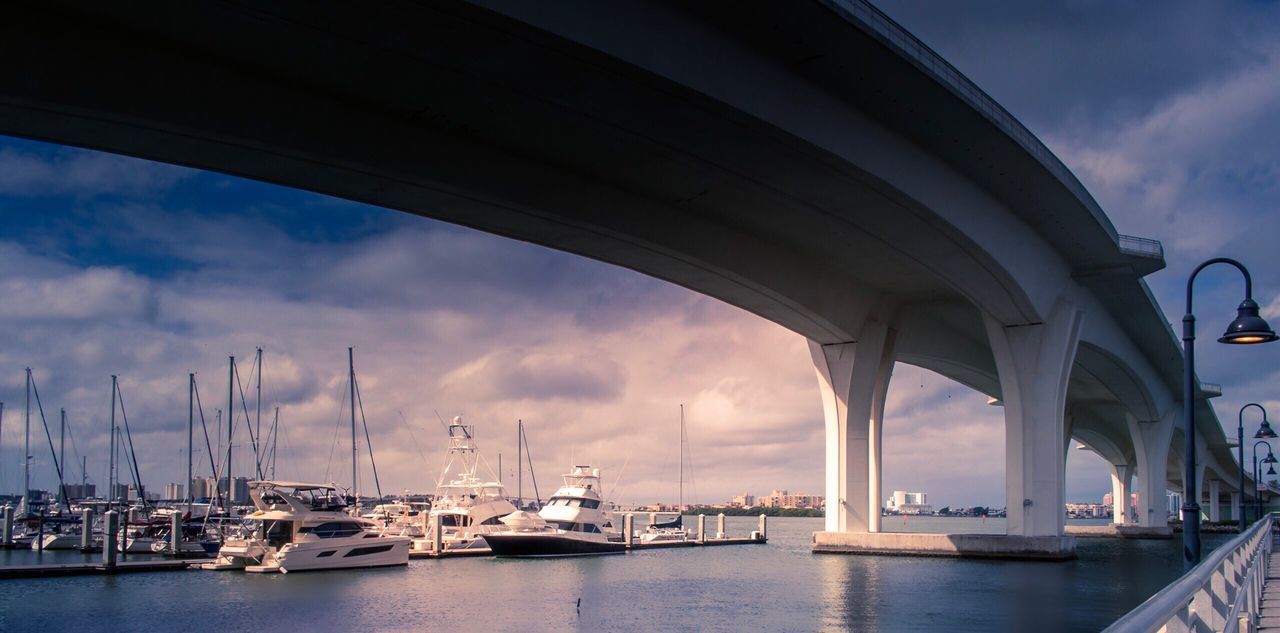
<point x="1271" y="470"/>
<point x="1265" y="432"/>
<point x="1270" y="459"/>
<point x="1248" y="328"/>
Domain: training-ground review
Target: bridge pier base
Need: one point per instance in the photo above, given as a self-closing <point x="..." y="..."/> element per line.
<point x="946" y="545"/>
<point x="1215" y="500"/>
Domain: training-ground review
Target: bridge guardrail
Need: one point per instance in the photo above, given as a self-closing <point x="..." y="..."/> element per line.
<point x="1222" y="593"/>
<point x="1141" y="246"/>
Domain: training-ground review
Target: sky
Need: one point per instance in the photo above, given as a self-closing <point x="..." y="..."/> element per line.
<point x="111" y="265"/>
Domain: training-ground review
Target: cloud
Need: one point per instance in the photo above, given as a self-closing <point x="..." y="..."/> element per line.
<point x="538" y="375"/>
<point x="59" y="172"/>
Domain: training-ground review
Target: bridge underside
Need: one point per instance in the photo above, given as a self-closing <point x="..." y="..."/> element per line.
<point x="789" y="161"/>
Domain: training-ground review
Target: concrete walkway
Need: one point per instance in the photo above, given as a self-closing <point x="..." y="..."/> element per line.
<point x="1269" y="618"/>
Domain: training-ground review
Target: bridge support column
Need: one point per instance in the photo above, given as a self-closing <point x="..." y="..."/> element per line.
<point x="1121" y="480"/>
<point x="1034" y="363"/>
<point x="1151" y="443"/>
<point x="1215" y="500"/>
<point x="853" y="379"/>
<point x="1235" y="506"/>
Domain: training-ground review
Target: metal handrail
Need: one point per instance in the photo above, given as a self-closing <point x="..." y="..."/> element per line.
<point x="1220" y="594"/>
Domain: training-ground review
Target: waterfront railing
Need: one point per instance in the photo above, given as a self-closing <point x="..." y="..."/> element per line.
<point x="1222" y="593"/>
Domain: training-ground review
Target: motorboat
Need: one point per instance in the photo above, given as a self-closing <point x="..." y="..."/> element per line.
<point x="301" y="527"/>
<point x="574" y="522"/>
<point x="400" y="518"/>
<point x="465" y="506"/>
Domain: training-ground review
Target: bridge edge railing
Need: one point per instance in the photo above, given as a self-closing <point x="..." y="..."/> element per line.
<point x="1219" y="594"/>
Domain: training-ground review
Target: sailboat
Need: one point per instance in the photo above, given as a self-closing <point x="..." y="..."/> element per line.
<point x="674" y="529"/>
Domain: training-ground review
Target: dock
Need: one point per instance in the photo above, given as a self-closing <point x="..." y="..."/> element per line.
<point x="96" y="569"/>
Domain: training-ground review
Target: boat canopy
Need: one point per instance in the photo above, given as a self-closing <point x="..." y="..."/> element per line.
<point x="296" y="485"/>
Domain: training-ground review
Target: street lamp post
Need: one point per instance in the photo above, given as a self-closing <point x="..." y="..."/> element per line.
<point x="1264" y="433"/>
<point x="1247" y="328"/>
<point x="1257" y="476"/>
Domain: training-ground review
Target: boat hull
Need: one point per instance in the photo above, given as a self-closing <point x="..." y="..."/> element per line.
<point x="373" y="552"/>
<point x="549" y="546"/>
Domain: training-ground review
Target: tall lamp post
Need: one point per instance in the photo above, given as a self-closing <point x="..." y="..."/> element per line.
<point x="1257" y="475"/>
<point x="1264" y="433"/>
<point x="1247" y="328"/>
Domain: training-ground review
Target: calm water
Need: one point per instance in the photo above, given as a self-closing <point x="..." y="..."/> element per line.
<point x="776" y="587"/>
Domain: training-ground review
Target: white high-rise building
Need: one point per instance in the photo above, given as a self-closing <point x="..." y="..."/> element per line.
<point x="174" y="491"/>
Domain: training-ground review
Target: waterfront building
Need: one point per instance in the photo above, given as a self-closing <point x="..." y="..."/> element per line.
<point x="1088" y="510"/>
<point x="80" y="491"/>
<point x="743" y="500"/>
<point x="903" y="502"/>
<point x="785" y="499"/>
<point x="174" y="491"/>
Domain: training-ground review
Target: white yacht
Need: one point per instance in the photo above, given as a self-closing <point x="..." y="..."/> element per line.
<point x="572" y="523"/>
<point x="465" y="506"/>
<point x="301" y="527"/>
<point x="400" y="518"/>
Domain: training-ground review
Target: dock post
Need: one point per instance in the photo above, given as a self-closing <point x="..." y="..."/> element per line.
<point x="40" y="533"/>
<point x="702" y="527"/>
<point x="175" y="533"/>
<point x="720" y="526"/>
<point x="86" y="529"/>
<point x="437" y="538"/>
<point x="628" y="535"/>
<point x="110" y="525"/>
<point x="653" y="518"/>
<point x="6" y="532"/>
<point x="764" y="527"/>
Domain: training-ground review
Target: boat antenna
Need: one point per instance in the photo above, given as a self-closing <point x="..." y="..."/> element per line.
<point x="1" y="438"/>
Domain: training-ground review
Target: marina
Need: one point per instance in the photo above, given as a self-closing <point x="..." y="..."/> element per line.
<point x="636" y="592"/>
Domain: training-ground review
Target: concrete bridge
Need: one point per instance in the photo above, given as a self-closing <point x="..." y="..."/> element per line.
<point x="810" y="162"/>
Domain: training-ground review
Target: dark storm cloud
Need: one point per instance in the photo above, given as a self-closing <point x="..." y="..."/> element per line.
<point x="1091" y="63"/>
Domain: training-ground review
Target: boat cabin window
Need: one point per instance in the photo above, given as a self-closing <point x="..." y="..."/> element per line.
<point x="274" y="499"/>
<point x="447" y="520"/>
<point x="573" y="526"/>
<point x="574" y="502"/>
<point x="333" y="529"/>
<point x="492" y="521"/>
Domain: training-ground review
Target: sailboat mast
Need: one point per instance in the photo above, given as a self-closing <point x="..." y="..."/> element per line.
<point x="191" y="426"/>
<point x="351" y="377"/>
<point x="26" y="450"/>
<point x="111" y="459"/>
<point x="681" y="459"/>
<point x="258" y="416"/>
<point x="62" y="457"/>
<point x="275" y="437"/>
<point x="520" y="464"/>
<point x="231" y="416"/>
